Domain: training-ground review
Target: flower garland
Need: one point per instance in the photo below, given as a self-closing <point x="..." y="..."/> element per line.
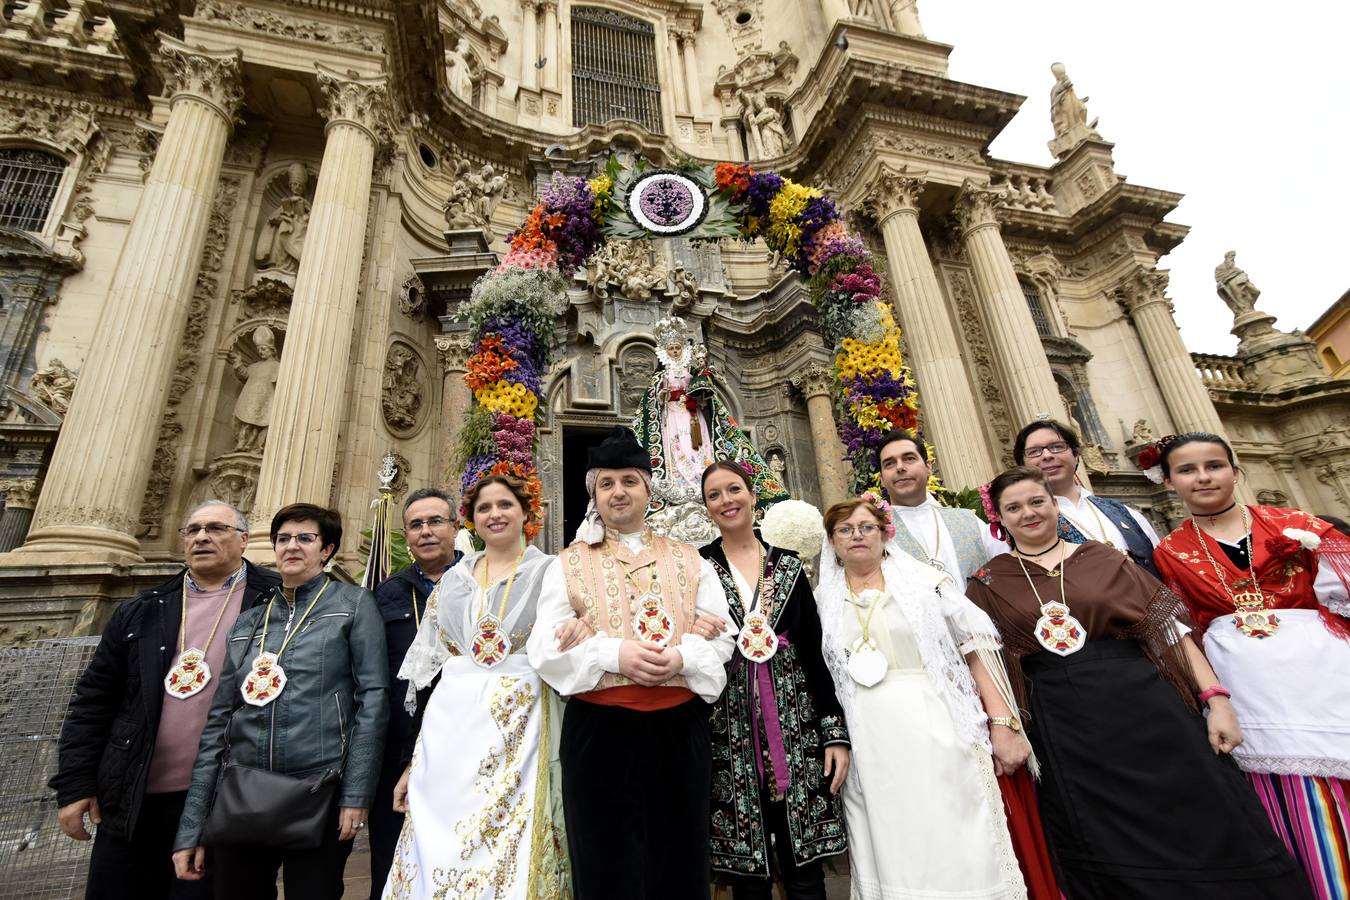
<point x="513" y="310"/>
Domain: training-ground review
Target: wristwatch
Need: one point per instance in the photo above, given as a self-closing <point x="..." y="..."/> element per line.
<point x="1006" y="722"/>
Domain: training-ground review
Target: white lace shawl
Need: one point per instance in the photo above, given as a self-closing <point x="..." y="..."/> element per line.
<point x="452" y="611"/>
<point x="945" y="624"/>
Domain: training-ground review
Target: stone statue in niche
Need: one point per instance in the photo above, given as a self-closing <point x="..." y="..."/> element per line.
<point x="253" y="409"/>
<point x="53" y="386"/>
<point x="778" y="465"/>
<point x="1234" y="287"/>
<point x="473" y="196"/>
<point x="282" y="237"/>
<point x="905" y="17"/>
<point x="402" y="399"/>
<point x="639" y="365"/>
<point x="764" y="132"/>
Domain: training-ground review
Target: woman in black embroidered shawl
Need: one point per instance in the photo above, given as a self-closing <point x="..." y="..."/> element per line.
<point x="780" y="748"/>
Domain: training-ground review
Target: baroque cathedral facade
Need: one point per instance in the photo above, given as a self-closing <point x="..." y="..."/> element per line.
<point x="233" y="238"/>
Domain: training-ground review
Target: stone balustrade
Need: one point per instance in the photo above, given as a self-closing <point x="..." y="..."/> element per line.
<point x="1025" y="188"/>
<point x="1224" y="373"/>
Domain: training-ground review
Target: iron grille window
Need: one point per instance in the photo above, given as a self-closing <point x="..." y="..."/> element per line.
<point x="1037" y="306"/>
<point x="613" y="69"/>
<point x="28" y="182"/>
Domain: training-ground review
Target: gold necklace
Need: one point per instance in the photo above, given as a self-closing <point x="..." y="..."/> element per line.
<point x="191" y="672"/>
<point x="1056" y="630"/>
<point x="489" y="644"/>
<point x="1251" y="616"/>
<point x="1101" y="525"/>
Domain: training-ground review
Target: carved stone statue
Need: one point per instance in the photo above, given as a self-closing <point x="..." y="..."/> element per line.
<point x="1234" y="286"/>
<point x="683" y="287"/>
<point x="763" y="125"/>
<point x="905" y="17"/>
<point x="283" y="236"/>
<point x="473" y="196"/>
<point x="53" y="386"/>
<point x="253" y="409"/>
<point x="778" y="466"/>
<point x="1068" y="114"/>
<point x="401" y="401"/>
<point x="1141" y="433"/>
<point x="630" y="266"/>
<point x="754" y="147"/>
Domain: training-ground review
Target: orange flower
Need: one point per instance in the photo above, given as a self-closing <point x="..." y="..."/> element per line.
<point x="487" y="366"/>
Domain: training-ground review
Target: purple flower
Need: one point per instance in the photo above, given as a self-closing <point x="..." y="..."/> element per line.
<point x="760" y="193"/>
<point x="665" y="201"/>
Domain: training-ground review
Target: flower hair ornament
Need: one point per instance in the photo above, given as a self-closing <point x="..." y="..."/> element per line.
<point x="873" y="499"/>
<point x="995" y="523"/>
<point x="1150" y="458"/>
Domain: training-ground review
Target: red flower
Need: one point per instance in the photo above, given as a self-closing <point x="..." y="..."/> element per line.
<point x="1283" y="549"/>
<point x="1149" y="457"/>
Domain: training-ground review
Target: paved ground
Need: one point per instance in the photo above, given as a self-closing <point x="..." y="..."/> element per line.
<point x="358" y="876"/>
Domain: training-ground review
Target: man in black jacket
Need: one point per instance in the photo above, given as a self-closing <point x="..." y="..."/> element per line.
<point x="429" y="524"/>
<point x="130" y="735"/>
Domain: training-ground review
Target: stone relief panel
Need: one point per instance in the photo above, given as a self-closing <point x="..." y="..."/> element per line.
<point x="631" y="269"/>
<point x="405" y="394"/>
<point x="268" y="22"/>
<point x="637" y="365"/>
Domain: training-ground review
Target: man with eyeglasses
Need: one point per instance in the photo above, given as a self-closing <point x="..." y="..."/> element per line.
<point x="1053" y="447"/>
<point x="130" y="735"/>
<point x="429" y="526"/>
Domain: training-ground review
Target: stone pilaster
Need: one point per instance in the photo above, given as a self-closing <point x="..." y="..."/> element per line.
<point x="816" y="383"/>
<point x="1012" y="332"/>
<point x="552" y="60"/>
<point x="688" y="70"/>
<point x="529" y="45"/>
<point x="453" y="351"/>
<point x="301" y="448"/>
<point x="676" y="56"/>
<point x="950" y="413"/>
<point x="102" y="458"/>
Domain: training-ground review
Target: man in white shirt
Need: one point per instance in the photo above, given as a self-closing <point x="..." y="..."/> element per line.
<point x="635" y="747"/>
<point x="952" y="539"/>
<point x="1053" y="447"/>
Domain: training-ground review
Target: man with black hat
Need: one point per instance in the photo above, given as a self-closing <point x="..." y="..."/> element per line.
<point x="635" y="746"/>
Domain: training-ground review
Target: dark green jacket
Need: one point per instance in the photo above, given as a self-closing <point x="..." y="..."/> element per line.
<point x="337" y="687"/>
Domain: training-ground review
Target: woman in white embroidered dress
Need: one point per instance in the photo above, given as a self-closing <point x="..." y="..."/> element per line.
<point x="484" y="808"/>
<point x="912" y="661"/>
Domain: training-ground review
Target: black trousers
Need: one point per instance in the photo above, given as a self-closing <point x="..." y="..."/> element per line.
<point x="250" y="871"/>
<point x="804" y="882"/>
<point x="142" y="868"/>
<point x="384" y="824"/>
<point x="636" y="789"/>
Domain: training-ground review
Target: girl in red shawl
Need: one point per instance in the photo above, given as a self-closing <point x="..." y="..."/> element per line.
<point x="1266" y="587"/>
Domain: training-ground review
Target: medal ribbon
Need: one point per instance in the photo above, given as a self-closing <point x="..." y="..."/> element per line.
<point x="766" y="704"/>
<point x="290" y="633"/>
<point x="182" y="626"/>
<point x="506" y="595"/>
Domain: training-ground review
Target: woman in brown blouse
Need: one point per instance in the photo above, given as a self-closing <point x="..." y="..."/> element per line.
<point x="1138" y="794"/>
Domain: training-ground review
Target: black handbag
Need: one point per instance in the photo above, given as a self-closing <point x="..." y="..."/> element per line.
<point x="259" y="806"/>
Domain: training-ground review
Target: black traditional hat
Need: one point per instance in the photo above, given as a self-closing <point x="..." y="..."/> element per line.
<point x="619" y="450"/>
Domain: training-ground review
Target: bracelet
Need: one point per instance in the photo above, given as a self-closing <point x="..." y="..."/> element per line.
<point x="1006" y="722"/>
<point x="1213" y="691"/>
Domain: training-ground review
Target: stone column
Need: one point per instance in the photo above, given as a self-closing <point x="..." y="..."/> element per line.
<point x="676" y="57"/>
<point x="689" y="70"/>
<point x="1012" y="333"/>
<point x="102" y="458"/>
<point x="455" y="401"/>
<point x="950" y="414"/>
<point x="551" y="44"/>
<point x="20" y="498"/>
<point x="816" y="382"/>
<point x="529" y="47"/>
<point x="1145" y="300"/>
<point x="297" y="464"/>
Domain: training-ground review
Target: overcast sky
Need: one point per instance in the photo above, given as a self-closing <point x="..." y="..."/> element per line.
<point x="1241" y="106"/>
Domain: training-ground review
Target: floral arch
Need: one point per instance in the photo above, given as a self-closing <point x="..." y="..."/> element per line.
<point x="513" y="309"/>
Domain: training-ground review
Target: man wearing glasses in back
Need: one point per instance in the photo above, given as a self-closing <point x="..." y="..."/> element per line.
<point x="130" y="734"/>
<point x="429" y="526"/>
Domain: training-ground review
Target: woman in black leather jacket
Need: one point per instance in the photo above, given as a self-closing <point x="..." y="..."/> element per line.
<point x="328" y="640"/>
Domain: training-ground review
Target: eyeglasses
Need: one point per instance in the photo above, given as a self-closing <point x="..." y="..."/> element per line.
<point x="215" y="529"/>
<point x="303" y="538"/>
<point x="867" y="529"/>
<point x="433" y="522"/>
<point x="1035" y="452"/>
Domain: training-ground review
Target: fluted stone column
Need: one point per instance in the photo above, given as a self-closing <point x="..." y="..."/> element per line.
<point x="20" y="498"/>
<point x="102" y="459"/>
<point x="689" y="69"/>
<point x="676" y="57"/>
<point x="951" y="416"/>
<point x="550" y="8"/>
<point x="1012" y="332"/>
<point x="529" y="47"/>
<point x="297" y="464"/>
<point x="455" y="401"/>
<point x="816" y="382"/>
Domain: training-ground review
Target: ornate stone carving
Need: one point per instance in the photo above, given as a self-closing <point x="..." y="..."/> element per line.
<point x="986" y="376"/>
<point x="267" y="299"/>
<point x="253" y="409"/>
<point x="813" y="380"/>
<point x="1273" y="498"/>
<point x="363" y="102"/>
<point x="19" y="493"/>
<point x="268" y="22"/>
<point x="1141" y="433"/>
<point x="412" y="298"/>
<point x="474" y="195"/>
<point x="636" y="368"/>
<point x="1143" y="287"/>
<point x="631" y="266"/>
<point x="69" y="125"/>
<point x="764" y="132"/>
<point x="282" y="237"/>
<point x="453" y="351"/>
<point x="778" y="465"/>
<point x="405" y="392"/>
<point x="1234" y="287"/>
<point x="233" y="478"/>
<point x="53" y="386"/>
<point x="978" y="205"/>
<point x="893" y="191"/>
<point x="211" y="76"/>
<point x="186" y="365"/>
<point x="683" y="288"/>
<point x="1068" y="114"/>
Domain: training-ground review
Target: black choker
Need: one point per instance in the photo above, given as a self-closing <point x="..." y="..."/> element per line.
<point x="1213" y="516"/>
<point x="1042" y="553"/>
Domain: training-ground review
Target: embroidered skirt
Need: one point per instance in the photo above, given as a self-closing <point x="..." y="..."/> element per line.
<point x="1136" y="804"/>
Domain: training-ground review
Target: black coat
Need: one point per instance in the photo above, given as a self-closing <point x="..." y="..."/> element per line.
<point x="395" y="599"/>
<point x="110" y="729"/>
